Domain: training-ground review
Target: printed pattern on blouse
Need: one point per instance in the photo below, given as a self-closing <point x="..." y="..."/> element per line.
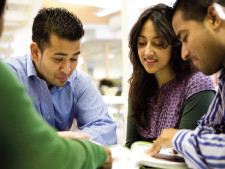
<point x="166" y="113"/>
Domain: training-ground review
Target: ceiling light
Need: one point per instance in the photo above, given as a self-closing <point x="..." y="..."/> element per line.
<point x="104" y="12"/>
<point x="111" y="56"/>
<point x="219" y="10"/>
<point x="96" y="3"/>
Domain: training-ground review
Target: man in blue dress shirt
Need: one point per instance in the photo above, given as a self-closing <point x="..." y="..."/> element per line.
<point x="60" y="92"/>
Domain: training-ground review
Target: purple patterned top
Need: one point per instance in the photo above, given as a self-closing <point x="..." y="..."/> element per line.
<point x="167" y="112"/>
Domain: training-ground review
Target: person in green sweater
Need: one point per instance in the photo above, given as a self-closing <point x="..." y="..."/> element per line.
<point x="28" y="142"/>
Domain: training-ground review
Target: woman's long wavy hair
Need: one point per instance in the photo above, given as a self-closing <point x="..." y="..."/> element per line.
<point x="142" y="84"/>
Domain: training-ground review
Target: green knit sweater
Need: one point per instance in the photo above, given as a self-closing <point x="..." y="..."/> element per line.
<point x="28" y="142"/>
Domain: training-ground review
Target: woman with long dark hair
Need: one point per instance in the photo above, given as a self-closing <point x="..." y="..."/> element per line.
<point x="165" y="91"/>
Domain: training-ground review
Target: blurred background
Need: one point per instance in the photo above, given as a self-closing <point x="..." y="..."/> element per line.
<point x="104" y="50"/>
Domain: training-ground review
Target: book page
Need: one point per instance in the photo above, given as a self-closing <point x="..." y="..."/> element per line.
<point x="165" y="159"/>
<point x="123" y="158"/>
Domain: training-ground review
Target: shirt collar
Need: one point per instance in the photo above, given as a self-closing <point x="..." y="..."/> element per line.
<point x="222" y="74"/>
<point x="31" y="71"/>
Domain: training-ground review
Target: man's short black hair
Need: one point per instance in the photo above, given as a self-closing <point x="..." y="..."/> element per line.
<point x="57" y="21"/>
<point x="195" y="9"/>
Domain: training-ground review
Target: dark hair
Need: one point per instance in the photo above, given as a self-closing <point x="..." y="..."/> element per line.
<point x="2" y="6"/>
<point x="195" y="9"/>
<point x="56" y="21"/>
<point x="142" y="84"/>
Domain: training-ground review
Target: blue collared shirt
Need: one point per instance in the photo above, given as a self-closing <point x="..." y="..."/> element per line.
<point x="78" y="99"/>
<point x="204" y="147"/>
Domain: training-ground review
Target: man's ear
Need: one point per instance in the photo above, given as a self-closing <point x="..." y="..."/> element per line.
<point x="215" y="20"/>
<point x="35" y="51"/>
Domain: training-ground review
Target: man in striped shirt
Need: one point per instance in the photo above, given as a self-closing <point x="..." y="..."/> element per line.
<point x="201" y="29"/>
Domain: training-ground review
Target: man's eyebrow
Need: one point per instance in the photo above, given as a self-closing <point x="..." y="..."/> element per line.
<point x="64" y="54"/>
<point x="179" y="33"/>
<point x="76" y="53"/>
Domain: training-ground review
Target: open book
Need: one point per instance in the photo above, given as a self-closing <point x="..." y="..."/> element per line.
<point x="136" y="158"/>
